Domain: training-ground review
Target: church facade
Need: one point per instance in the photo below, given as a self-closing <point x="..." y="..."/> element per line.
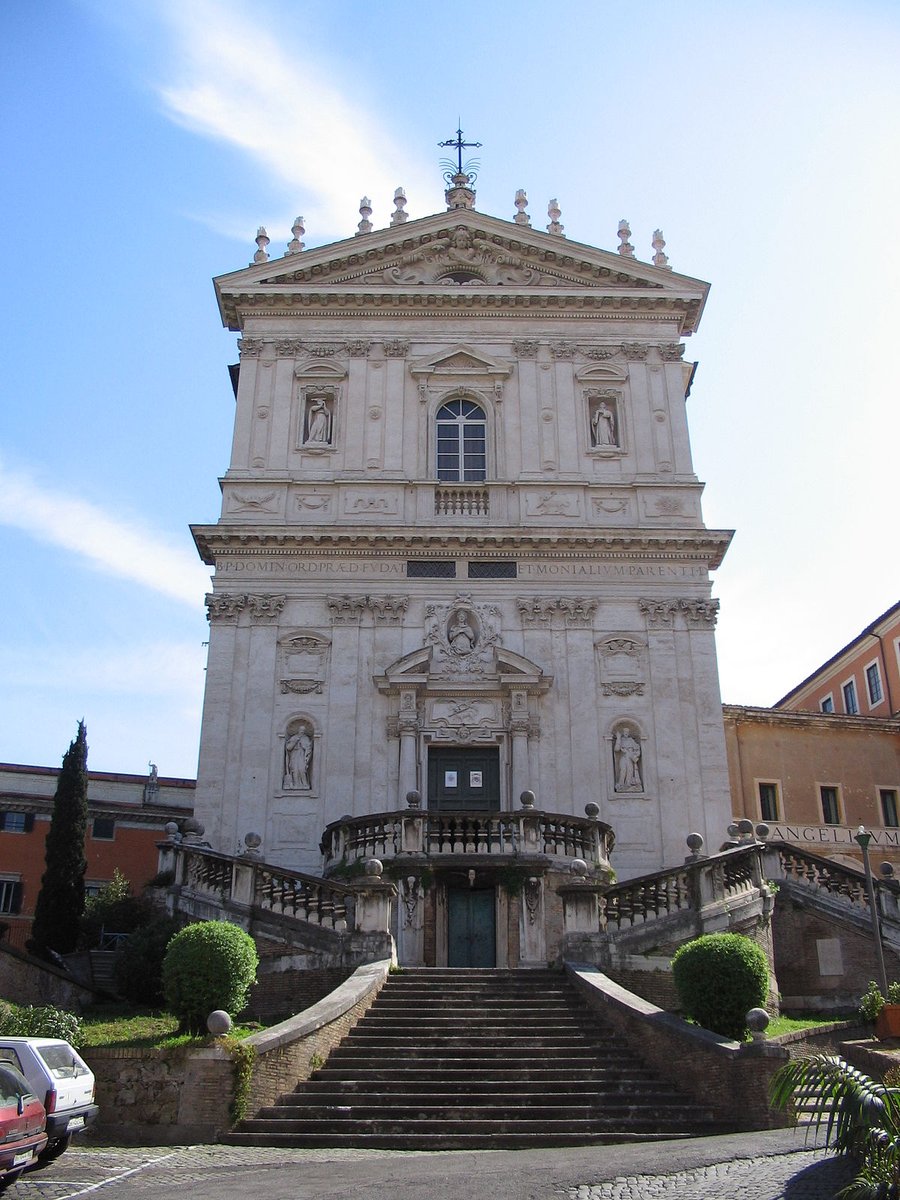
<point x="461" y="558"/>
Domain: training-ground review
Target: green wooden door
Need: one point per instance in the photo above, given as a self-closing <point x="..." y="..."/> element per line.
<point x="471" y="940"/>
<point x="464" y="780"/>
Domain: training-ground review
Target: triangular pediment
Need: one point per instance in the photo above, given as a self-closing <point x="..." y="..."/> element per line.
<point x="460" y="360"/>
<point x="462" y="248"/>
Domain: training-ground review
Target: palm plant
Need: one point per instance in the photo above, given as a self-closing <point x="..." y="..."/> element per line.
<point x="860" y="1117"/>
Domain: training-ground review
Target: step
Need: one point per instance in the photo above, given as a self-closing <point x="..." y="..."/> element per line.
<point x="456" y="1059"/>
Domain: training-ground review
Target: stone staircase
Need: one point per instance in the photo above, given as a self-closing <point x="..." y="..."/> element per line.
<point x="470" y="1059"/>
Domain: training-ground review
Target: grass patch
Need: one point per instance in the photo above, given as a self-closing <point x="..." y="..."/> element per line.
<point x="116" y="1027"/>
<point x="779" y="1025"/>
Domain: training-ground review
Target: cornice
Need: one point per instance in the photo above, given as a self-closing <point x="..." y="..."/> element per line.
<point x="736" y="714"/>
<point x="215" y="542"/>
<point x="489" y="304"/>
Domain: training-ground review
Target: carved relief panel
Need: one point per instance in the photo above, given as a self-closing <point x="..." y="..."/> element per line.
<point x="463" y="635"/>
<point x="622" y="666"/>
<point x="303" y="661"/>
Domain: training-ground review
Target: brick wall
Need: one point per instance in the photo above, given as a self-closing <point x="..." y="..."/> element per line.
<point x="162" y="1097"/>
<point x="27" y="980"/>
<point x="731" y="1078"/>
<point x="290" y="1052"/>
<point x="798" y="936"/>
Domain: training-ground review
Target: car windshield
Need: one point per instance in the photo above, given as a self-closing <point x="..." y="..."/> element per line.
<point x="62" y="1060"/>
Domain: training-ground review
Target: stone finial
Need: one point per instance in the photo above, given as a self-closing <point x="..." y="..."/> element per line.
<point x="757" y="1022"/>
<point x="527" y="799"/>
<point x="579" y="868"/>
<point x="262" y="240"/>
<point x="413" y="799"/>
<point x="886" y="868"/>
<point x="592" y="810"/>
<point x="762" y="831"/>
<point x="659" y="244"/>
<point x="297" y="229"/>
<point x="554" y="212"/>
<point x="373" y="868"/>
<point x="398" y="216"/>
<point x="745" y="828"/>
<point x="218" y="1022"/>
<point x="365" y="211"/>
<point x="172" y="831"/>
<point x="252" y="842"/>
<point x="521" y="202"/>
<point x="625" y="247"/>
<point x="695" y="845"/>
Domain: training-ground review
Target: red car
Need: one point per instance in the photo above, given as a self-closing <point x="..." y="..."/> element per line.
<point x="23" y="1123"/>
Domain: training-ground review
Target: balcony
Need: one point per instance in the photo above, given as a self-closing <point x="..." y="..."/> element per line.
<point x="445" y="836"/>
<point x="461" y="501"/>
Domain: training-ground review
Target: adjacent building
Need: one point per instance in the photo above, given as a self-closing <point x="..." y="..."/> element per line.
<point x="862" y="679"/>
<point x="127" y="816"/>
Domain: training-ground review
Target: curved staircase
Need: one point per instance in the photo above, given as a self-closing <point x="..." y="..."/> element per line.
<point x="471" y="1059"/>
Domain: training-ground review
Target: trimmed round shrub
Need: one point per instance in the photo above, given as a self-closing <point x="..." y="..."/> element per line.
<point x="206" y="966"/>
<point x="719" y="978"/>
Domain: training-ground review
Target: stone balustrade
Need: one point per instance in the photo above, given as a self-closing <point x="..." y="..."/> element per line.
<point x="527" y="831"/>
<point x="245" y="883"/>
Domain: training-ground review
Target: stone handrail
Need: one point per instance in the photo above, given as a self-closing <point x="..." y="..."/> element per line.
<point x="704" y="882"/>
<point x="460" y="500"/>
<point x="433" y="833"/>
<point x="788" y="862"/>
<point x="226" y="879"/>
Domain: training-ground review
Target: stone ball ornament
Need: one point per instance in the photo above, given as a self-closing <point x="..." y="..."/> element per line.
<point x="527" y="799"/>
<point x="219" y="1023"/>
<point x="757" y="1022"/>
<point x="373" y="868"/>
<point x="252" y="840"/>
<point x="413" y="799"/>
<point x="694" y="842"/>
<point x="579" y="868"/>
<point x="592" y="810"/>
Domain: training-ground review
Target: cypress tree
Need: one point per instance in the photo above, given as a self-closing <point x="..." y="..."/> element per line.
<point x="60" y="902"/>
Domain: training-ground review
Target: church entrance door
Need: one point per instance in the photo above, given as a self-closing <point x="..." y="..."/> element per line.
<point x="471" y="939"/>
<point x="464" y="780"/>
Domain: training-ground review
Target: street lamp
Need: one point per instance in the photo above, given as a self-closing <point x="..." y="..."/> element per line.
<point x="862" y="839"/>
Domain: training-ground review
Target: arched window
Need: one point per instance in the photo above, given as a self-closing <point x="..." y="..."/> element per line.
<point x="461" y="442"/>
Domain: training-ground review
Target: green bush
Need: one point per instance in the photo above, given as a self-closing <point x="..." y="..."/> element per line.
<point x="113" y="910"/>
<point x="206" y="966"/>
<point x="872" y="1002"/>
<point x="139" y="967"/>
<point x="40" y="1022"/>
<point x="719" y="978"/>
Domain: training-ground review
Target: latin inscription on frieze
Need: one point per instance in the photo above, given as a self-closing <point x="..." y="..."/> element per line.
<point x="312" y="568"/>
<point x="629" y="570"/>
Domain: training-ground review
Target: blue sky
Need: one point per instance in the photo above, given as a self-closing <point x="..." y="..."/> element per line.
<point x="144" y="143"/>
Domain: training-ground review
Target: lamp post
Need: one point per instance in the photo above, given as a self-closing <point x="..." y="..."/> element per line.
<point x="862" y="839"/>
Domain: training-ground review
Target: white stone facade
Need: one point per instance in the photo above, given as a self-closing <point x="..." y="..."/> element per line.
<point x="370" y="611"/>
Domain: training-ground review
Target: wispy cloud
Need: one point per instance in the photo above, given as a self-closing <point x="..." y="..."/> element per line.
<point x="162" y="668"/>
<point x="109" y="543"/>
<point x="237" y="84"/>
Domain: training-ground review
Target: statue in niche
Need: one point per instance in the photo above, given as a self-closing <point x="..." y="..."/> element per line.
<point x="461" y="636"/>
<point x="627" y="756"/>
<point x="603" y="425"/>
<point x="318" y="422"/>
<point x="298" y="752"/>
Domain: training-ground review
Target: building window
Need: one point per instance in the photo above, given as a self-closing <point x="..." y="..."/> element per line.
<point x="873" y="684"/>
<point x="10" y="895"/>
<point x="826" y="704"/>
<point x="492" y="570"/>
<point x="831" y="813"/>
<point x="461" y="442"/>
<point x="768" y="801"/>
<point x="16" y="822"/>
<point x="103" y="829"/>
<point x="851" y="704"/>
<point x="417" y="569"/>
<point x="888" y="798"/>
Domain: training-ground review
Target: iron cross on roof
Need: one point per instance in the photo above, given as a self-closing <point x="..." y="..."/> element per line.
<point x="459" y="144"/>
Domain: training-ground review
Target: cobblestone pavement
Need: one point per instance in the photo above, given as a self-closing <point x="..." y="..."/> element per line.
<point x="774" y="1166"/>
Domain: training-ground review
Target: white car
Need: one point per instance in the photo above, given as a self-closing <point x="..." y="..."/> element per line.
<point x="61" y="1079"/>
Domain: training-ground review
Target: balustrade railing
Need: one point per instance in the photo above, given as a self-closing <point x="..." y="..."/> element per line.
<point x="526" y="831"/>
<point x="648" y="897"/>
<point x="461" y="502"/>
<point x="244" y="882"/>
<point x="812" y="870"/>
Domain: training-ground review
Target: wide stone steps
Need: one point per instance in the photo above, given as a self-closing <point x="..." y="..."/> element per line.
<point x="456" y="1059"/>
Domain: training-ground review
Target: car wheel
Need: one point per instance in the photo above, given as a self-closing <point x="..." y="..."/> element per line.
<point x="54" y="1149"/>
